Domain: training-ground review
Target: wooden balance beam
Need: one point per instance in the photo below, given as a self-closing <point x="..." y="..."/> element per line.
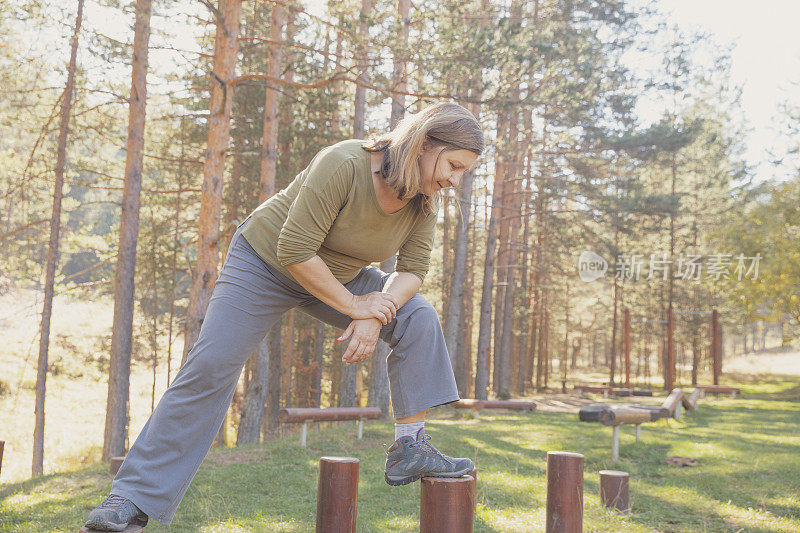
<point x="674" y="403"/>
<point x="478" y="405"/>
<point x="690" y="402"/>
<point x="719" y="389"/>
<point x="615" y="415"/>
<point x="293" y="415"/>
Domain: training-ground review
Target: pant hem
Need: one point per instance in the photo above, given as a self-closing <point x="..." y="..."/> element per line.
<point x="425" y="406"/>
<point x="158" y="517"/>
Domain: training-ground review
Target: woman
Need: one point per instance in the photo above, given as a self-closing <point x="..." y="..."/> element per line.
<point x="309" y="247"/>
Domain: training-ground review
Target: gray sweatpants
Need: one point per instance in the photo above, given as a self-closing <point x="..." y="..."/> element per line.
<point x="249" y="297"/>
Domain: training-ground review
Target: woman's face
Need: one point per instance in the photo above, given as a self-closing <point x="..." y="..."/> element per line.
<point x="442" y="168"/>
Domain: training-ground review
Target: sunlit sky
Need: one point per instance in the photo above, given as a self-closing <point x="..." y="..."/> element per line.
<point x="765" y="61"/>
<point x="765" y="57"/>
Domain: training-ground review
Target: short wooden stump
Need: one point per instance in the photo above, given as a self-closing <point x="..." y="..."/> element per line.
<point x="614" y="490"/>
<point x="447" y="505"/>
<point x="114" y="464"/>
<point x="564" y="492"/>
<point x="337" y="494"/>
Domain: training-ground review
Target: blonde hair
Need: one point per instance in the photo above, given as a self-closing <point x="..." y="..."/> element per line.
<point x="443" y="124"/>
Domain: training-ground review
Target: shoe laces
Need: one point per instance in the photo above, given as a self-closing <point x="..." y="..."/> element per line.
<point x="113" y="501"/>
<point x="425" y="442"/>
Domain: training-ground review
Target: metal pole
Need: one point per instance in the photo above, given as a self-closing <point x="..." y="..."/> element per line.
<point x="304" y="434"/>
<point x="615" y="444"/>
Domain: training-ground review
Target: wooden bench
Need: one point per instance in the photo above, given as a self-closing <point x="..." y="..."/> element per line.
<point x="631" y="392"/>
<point x="307" y="414"/>
<point x="478" y="405"/>
<point x="581" y="389"/>
<point x="719" y="389"/>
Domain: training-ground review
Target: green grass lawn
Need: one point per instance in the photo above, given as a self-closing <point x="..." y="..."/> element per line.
<point x="748" y="478"/>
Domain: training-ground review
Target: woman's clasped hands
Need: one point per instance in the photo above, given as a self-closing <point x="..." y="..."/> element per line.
<point x="380" y="305"/>
<point x="369" y="312"/>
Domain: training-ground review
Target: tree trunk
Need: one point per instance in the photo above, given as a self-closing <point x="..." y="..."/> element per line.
<point x="274" y="378"/>
<point x="522" y="341"/>
<point x="37" y="464"/>
<point x="508" y="262"/>
<point x="455" y="301"/>
<point x="361" y="91"/>
<point x="176" y="243"/>
<point x="485" y="331"/>
<point x="255" y="396"/>
<point x="347" y="383"/>
<point x="288" y="356"/>
<point x="116" y="427"/>
<point x="457" y="347"/>
<point x="399" y="78"/>
<point x="226" y="49"/>
<point x="267" y="170"/>
<point x="319" y="352"/>
<point x="465" y="340"/>
<point x="378" y="395"/>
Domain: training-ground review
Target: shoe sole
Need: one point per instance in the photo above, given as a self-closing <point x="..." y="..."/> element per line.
<point x="397" y="481"/>
<point x="105" y="525"/>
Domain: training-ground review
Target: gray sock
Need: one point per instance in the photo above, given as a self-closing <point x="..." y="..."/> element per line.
<point x="412" y="429"/>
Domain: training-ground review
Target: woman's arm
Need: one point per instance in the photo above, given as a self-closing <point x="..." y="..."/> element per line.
<point x="402" y="285"/>
<point x="315" y="276"/>
<point x="364" y="333"/>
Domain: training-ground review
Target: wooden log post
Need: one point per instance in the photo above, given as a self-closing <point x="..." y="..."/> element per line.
<point x="337" y="495"/>
<point x="474" y="475"/>
<point x="114" y="464"/>
<point x="447" y="505"/>
<point x="614" y="490"/>
<point x="564" y="492"/>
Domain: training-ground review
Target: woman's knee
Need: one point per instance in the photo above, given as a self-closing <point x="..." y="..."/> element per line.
<point x="423" y="316"/>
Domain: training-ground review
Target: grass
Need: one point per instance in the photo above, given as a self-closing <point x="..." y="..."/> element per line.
<point x="748" y="478"/>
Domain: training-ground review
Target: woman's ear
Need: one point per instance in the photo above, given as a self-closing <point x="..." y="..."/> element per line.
<point x="426" y="144"/>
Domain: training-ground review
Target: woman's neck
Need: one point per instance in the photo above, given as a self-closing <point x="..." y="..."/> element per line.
<point x="387" y="198"/>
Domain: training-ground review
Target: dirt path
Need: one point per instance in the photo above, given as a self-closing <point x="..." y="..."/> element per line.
<point x="765" y="363"/>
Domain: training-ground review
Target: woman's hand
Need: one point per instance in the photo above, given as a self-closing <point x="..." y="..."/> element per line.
<point x="363" y="338"/>
<point x="379" y="305"/>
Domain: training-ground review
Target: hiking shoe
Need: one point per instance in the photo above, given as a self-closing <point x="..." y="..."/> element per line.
<point x="408" y="460"/>
<point x="115" y="514"/>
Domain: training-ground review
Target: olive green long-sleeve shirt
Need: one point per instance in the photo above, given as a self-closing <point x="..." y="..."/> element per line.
<point x="330" y="209"/>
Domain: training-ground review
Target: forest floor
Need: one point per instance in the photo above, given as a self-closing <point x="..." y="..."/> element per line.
<point x="747" y="479"/>
<point x="748" y="448"/>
